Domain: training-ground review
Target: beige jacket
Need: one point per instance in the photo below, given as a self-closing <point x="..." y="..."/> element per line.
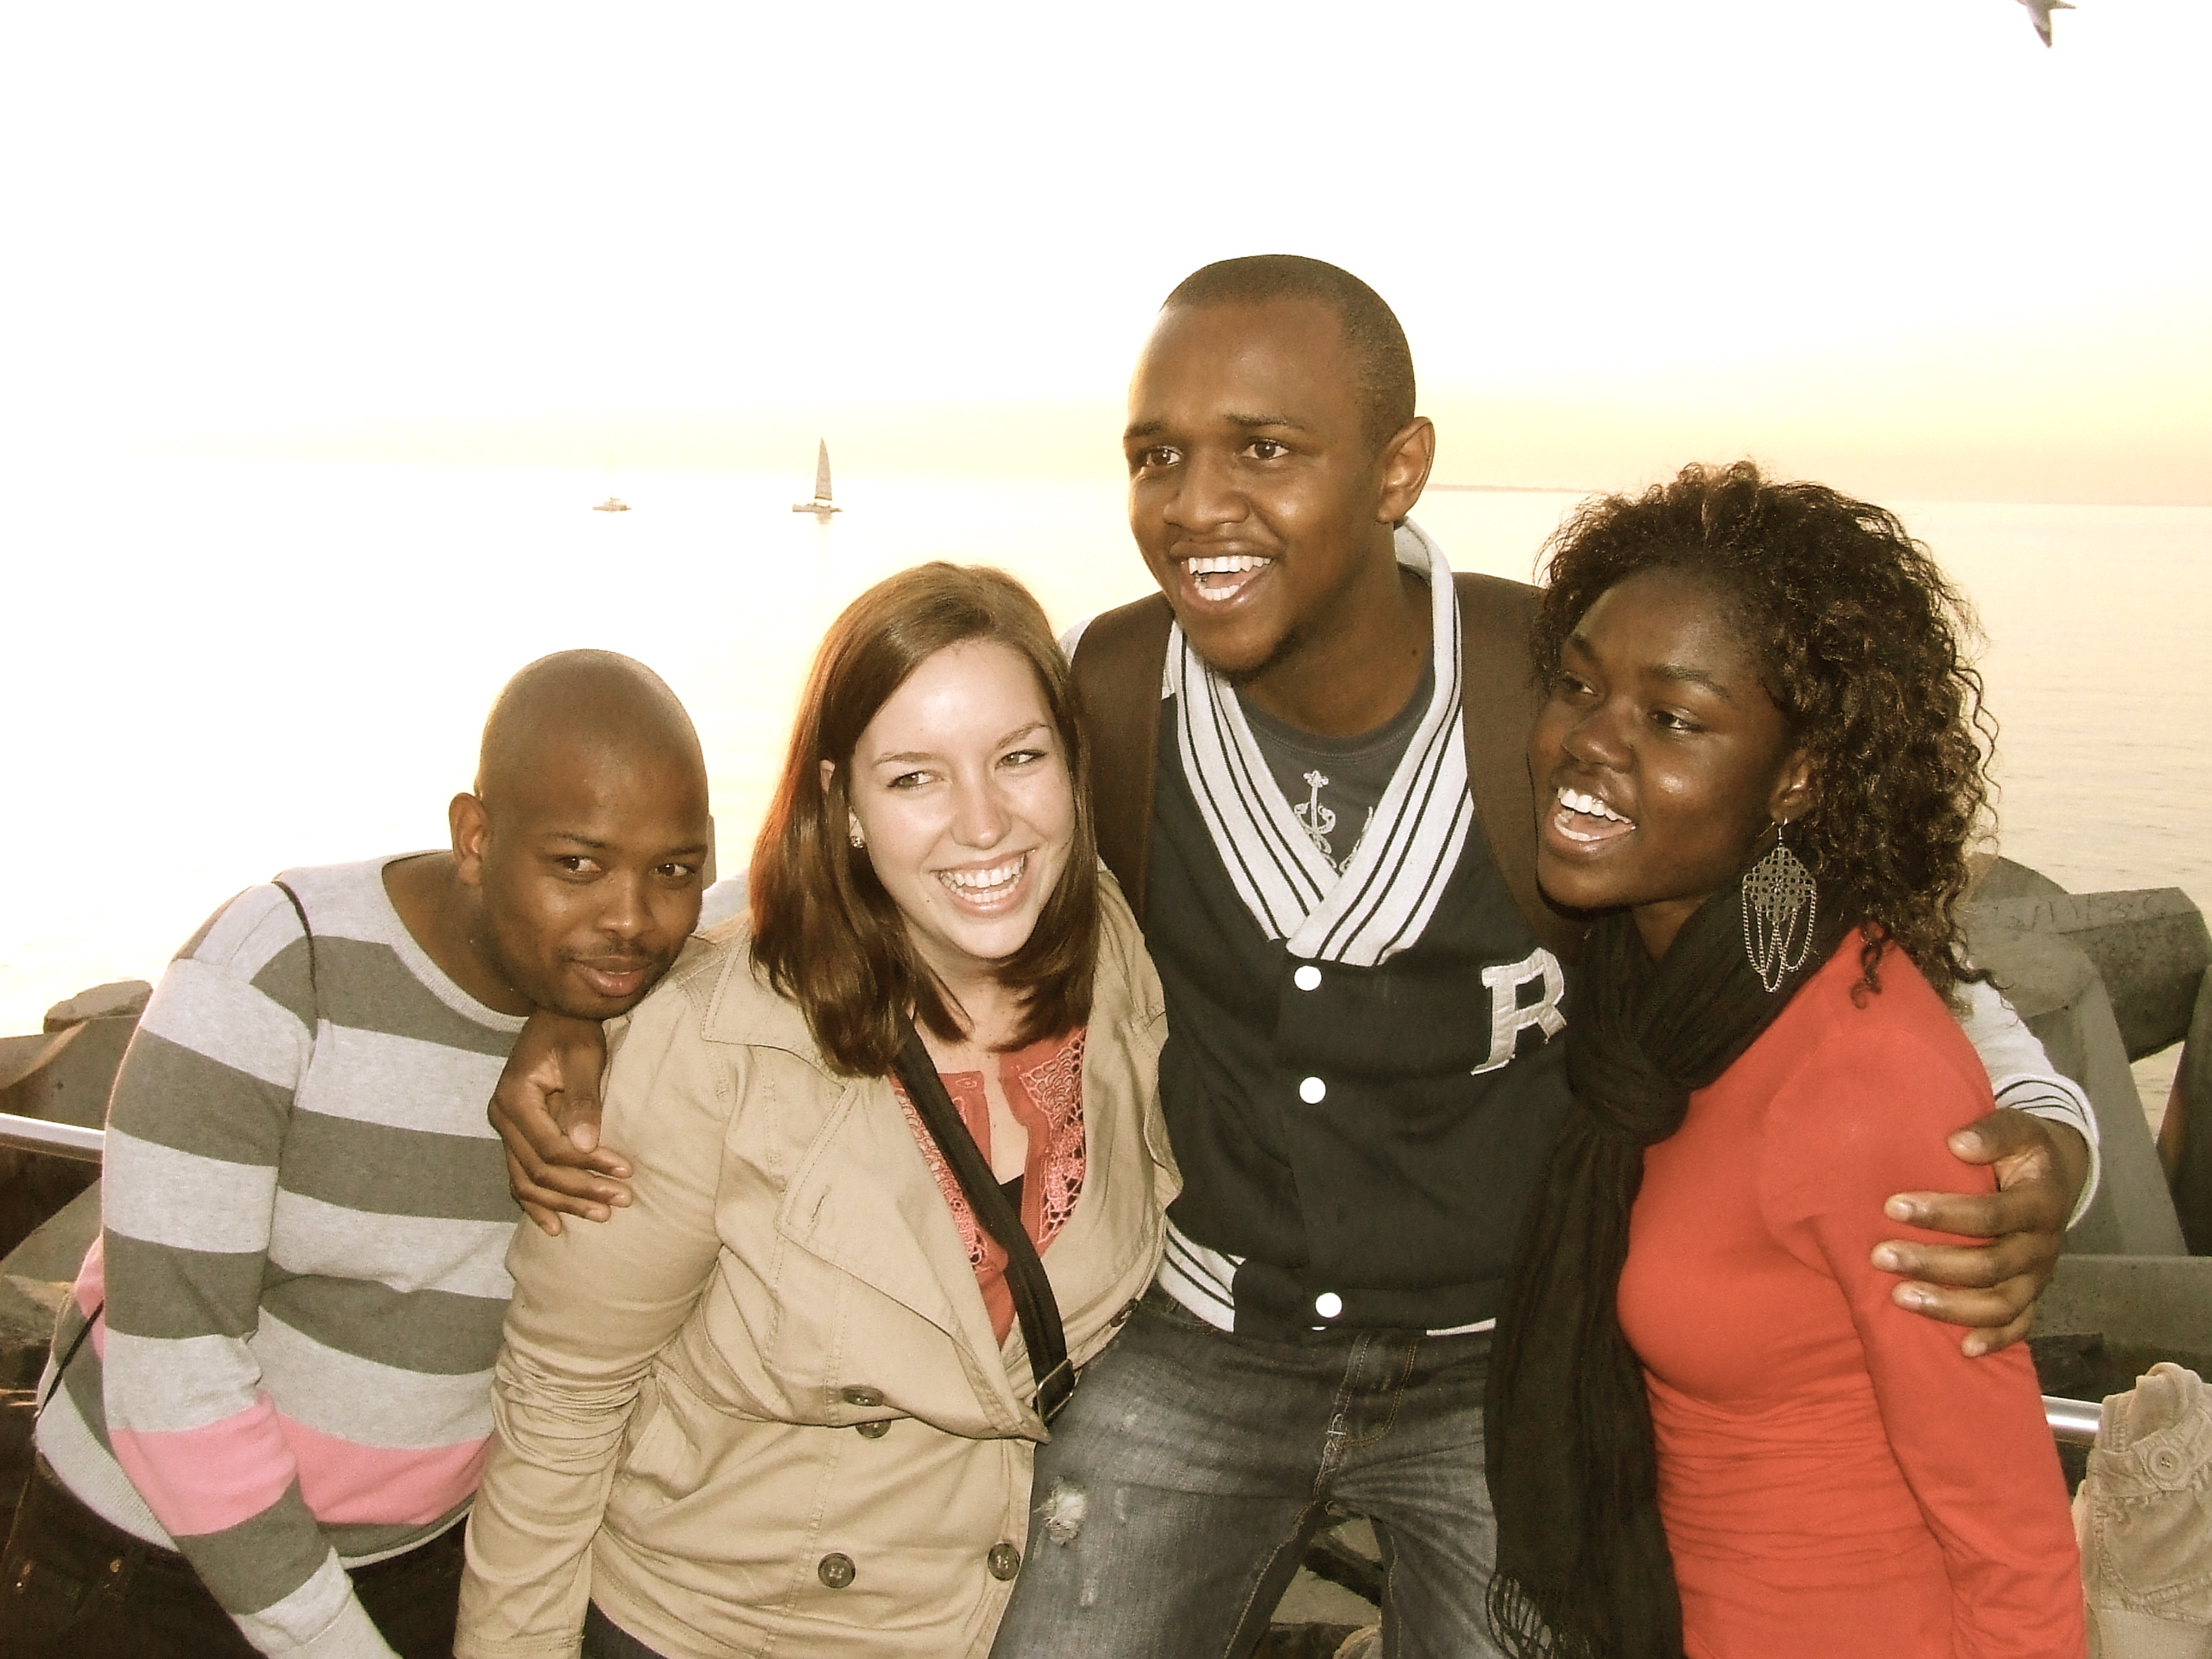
<point x="763" y="1407"/>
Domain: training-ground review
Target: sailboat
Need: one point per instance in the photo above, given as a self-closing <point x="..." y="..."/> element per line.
<point x="821" y="506"/>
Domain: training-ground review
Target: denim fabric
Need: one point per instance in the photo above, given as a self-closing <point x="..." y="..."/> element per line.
<point x="76" y="1588"/>
<point x="1173" y="1505"/>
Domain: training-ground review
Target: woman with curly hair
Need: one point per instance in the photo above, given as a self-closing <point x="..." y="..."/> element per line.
<point x="1711" y="1431"/>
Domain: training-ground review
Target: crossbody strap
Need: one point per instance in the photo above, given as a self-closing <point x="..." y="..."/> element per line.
<point x="1034" y="1306"/>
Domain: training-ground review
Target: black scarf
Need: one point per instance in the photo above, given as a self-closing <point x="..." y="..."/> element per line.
<point x="1583" y="1570"/>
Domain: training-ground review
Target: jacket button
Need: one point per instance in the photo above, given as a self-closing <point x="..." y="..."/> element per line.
<point x="837" y="1571"/>
<point x="859" y="1396"/>
<point x="1328" y="1304"/>
<point x="876" y="1429"/>
<point x="1308" y="978"/>
<point x="1313" y="1091"/>
<point x="1004" y="1560"/>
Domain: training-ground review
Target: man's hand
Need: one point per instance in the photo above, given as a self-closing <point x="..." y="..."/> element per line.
<point x="546" y="1109"/>
<point x="2040" y="1167"/>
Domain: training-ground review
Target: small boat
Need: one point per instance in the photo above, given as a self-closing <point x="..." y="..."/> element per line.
<point x="821" y="506"/>
<point x="612" y="504"/>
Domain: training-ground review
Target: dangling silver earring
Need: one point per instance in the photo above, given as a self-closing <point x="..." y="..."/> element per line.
<point x="853" y="833"/>
<point x="1779" y="901"/>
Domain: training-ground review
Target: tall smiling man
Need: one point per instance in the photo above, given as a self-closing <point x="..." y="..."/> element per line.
<point x="1313" y="786"/>
<point x="270" y="1439"/>
<point x="1311" y="782"/>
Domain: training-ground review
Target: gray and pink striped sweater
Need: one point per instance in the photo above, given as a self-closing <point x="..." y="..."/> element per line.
<point x="302" y="1273"/>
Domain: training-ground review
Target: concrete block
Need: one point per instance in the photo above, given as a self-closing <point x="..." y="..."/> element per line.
<point x="74" y="1074"/>
<point x="122" y="999"/>
<point x="2132" y="1301"/>
<point x="2038" y="948"/>
<point x="2185" y="1137"/>
<point x="2150" y="946"/>
<point x="55" y="1250"/>
<point x="1997" y="879"/>
<point x="2132" y="1213"/>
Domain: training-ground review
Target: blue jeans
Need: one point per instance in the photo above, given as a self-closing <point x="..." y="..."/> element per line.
<point x="1187" y="1474"/>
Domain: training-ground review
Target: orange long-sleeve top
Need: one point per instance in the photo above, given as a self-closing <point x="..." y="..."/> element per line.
<point x="1836" y="1477"/>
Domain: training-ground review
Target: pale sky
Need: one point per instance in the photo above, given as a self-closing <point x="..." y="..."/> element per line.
<point x="1897" y="244"/>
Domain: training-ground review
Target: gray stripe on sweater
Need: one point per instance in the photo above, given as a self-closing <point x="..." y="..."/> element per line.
<point x="366" y="987"/>
<point x="284" y="981"/>
<point x="174" y="1294"/>
<point x="262" y="1560"/>
<point x="178" y="1097"/>
<point x="373" y="1166"/>
<point x="433" y="1331"/>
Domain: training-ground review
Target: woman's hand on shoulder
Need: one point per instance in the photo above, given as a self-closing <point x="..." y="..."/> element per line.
<point x="1991" y="1289"/>
<point x="547" y="1110"/>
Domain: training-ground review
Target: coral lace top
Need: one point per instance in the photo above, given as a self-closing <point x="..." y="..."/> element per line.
<point x="1044" y="1086"/>
<point x="1836" y="1478"/>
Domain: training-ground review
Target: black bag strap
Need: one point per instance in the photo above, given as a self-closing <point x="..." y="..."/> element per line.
<point x="314" y="991"/>
<point x="314" y="985"/>
<point x="1034" y="1306"/>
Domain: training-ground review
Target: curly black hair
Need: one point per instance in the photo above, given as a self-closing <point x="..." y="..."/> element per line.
<point x="1861" y="642"/>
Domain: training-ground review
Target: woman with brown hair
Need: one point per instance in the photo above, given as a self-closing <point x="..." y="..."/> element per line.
<point x="1711" y="1431"/>
<point x="788" y="1397"/>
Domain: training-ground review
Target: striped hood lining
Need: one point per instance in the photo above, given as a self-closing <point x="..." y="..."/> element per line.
<point x="1383" y="898"/>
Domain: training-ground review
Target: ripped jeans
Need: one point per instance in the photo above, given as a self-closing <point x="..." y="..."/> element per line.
<point x="1185" y="1475"/>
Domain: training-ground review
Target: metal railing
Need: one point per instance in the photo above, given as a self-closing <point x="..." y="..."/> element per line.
<point x="36" y="1135"/>
<point x="2073" y="1421"/>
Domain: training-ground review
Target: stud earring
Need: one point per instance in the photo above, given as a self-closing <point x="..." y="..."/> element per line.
<point x="1780" y="899"/>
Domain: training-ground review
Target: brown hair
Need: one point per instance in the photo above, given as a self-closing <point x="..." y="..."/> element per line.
<point x="824" y="931"/>
<point x="1863" y="646"/>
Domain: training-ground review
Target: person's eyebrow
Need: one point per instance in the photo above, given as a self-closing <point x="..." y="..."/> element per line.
<point x="1249" y="421"/>
<point x="1020" y="732"/>
<point x="1143" y="429"/>
<point x="575" y="840"/>
<point x="1681" y="674"/>
<point x="1677" y="673"/>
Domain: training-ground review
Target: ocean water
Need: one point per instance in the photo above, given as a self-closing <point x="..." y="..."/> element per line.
<point x="216" y="669"/>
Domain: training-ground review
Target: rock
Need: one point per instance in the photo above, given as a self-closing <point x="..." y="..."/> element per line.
<point x="55" y="1249"/>
<point x="2149" y="945"/>
<point x="2001" y="878"/>
<point x="27" y="1330"/>
<point x="122" y="999"/>
<point x="71" y="1079"/>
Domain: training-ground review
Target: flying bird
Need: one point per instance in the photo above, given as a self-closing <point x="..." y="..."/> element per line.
<point x="2039" y="11"/>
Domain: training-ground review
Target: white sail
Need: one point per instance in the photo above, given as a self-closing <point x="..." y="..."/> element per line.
<point x="821" y="506"/>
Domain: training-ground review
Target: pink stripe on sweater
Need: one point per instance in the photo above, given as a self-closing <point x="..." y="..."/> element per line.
<point x="91" y="1288"/>
<point x="346" y="1483"/>
<point x="205" y="1479"/>
<point x="90" y="1293"/>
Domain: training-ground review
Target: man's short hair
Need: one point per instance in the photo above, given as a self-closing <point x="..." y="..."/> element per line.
<point x="1378" y="343"/>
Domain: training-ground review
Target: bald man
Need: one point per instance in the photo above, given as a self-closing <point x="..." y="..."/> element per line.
<point x="270" y="1439"/>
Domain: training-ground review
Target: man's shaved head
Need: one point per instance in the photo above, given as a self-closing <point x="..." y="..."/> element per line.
<point x="588" y="838"/>
<point x="581" y="701"/>
<point x="1383" y="363"/>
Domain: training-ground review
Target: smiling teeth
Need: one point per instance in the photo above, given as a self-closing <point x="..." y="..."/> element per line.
<point x="1203" y="572"/>
<point x="984" y="881"/>
<point x="1574" y="801"/>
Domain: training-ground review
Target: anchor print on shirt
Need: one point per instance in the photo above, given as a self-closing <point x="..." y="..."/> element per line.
<point x="1318" y="821"/>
